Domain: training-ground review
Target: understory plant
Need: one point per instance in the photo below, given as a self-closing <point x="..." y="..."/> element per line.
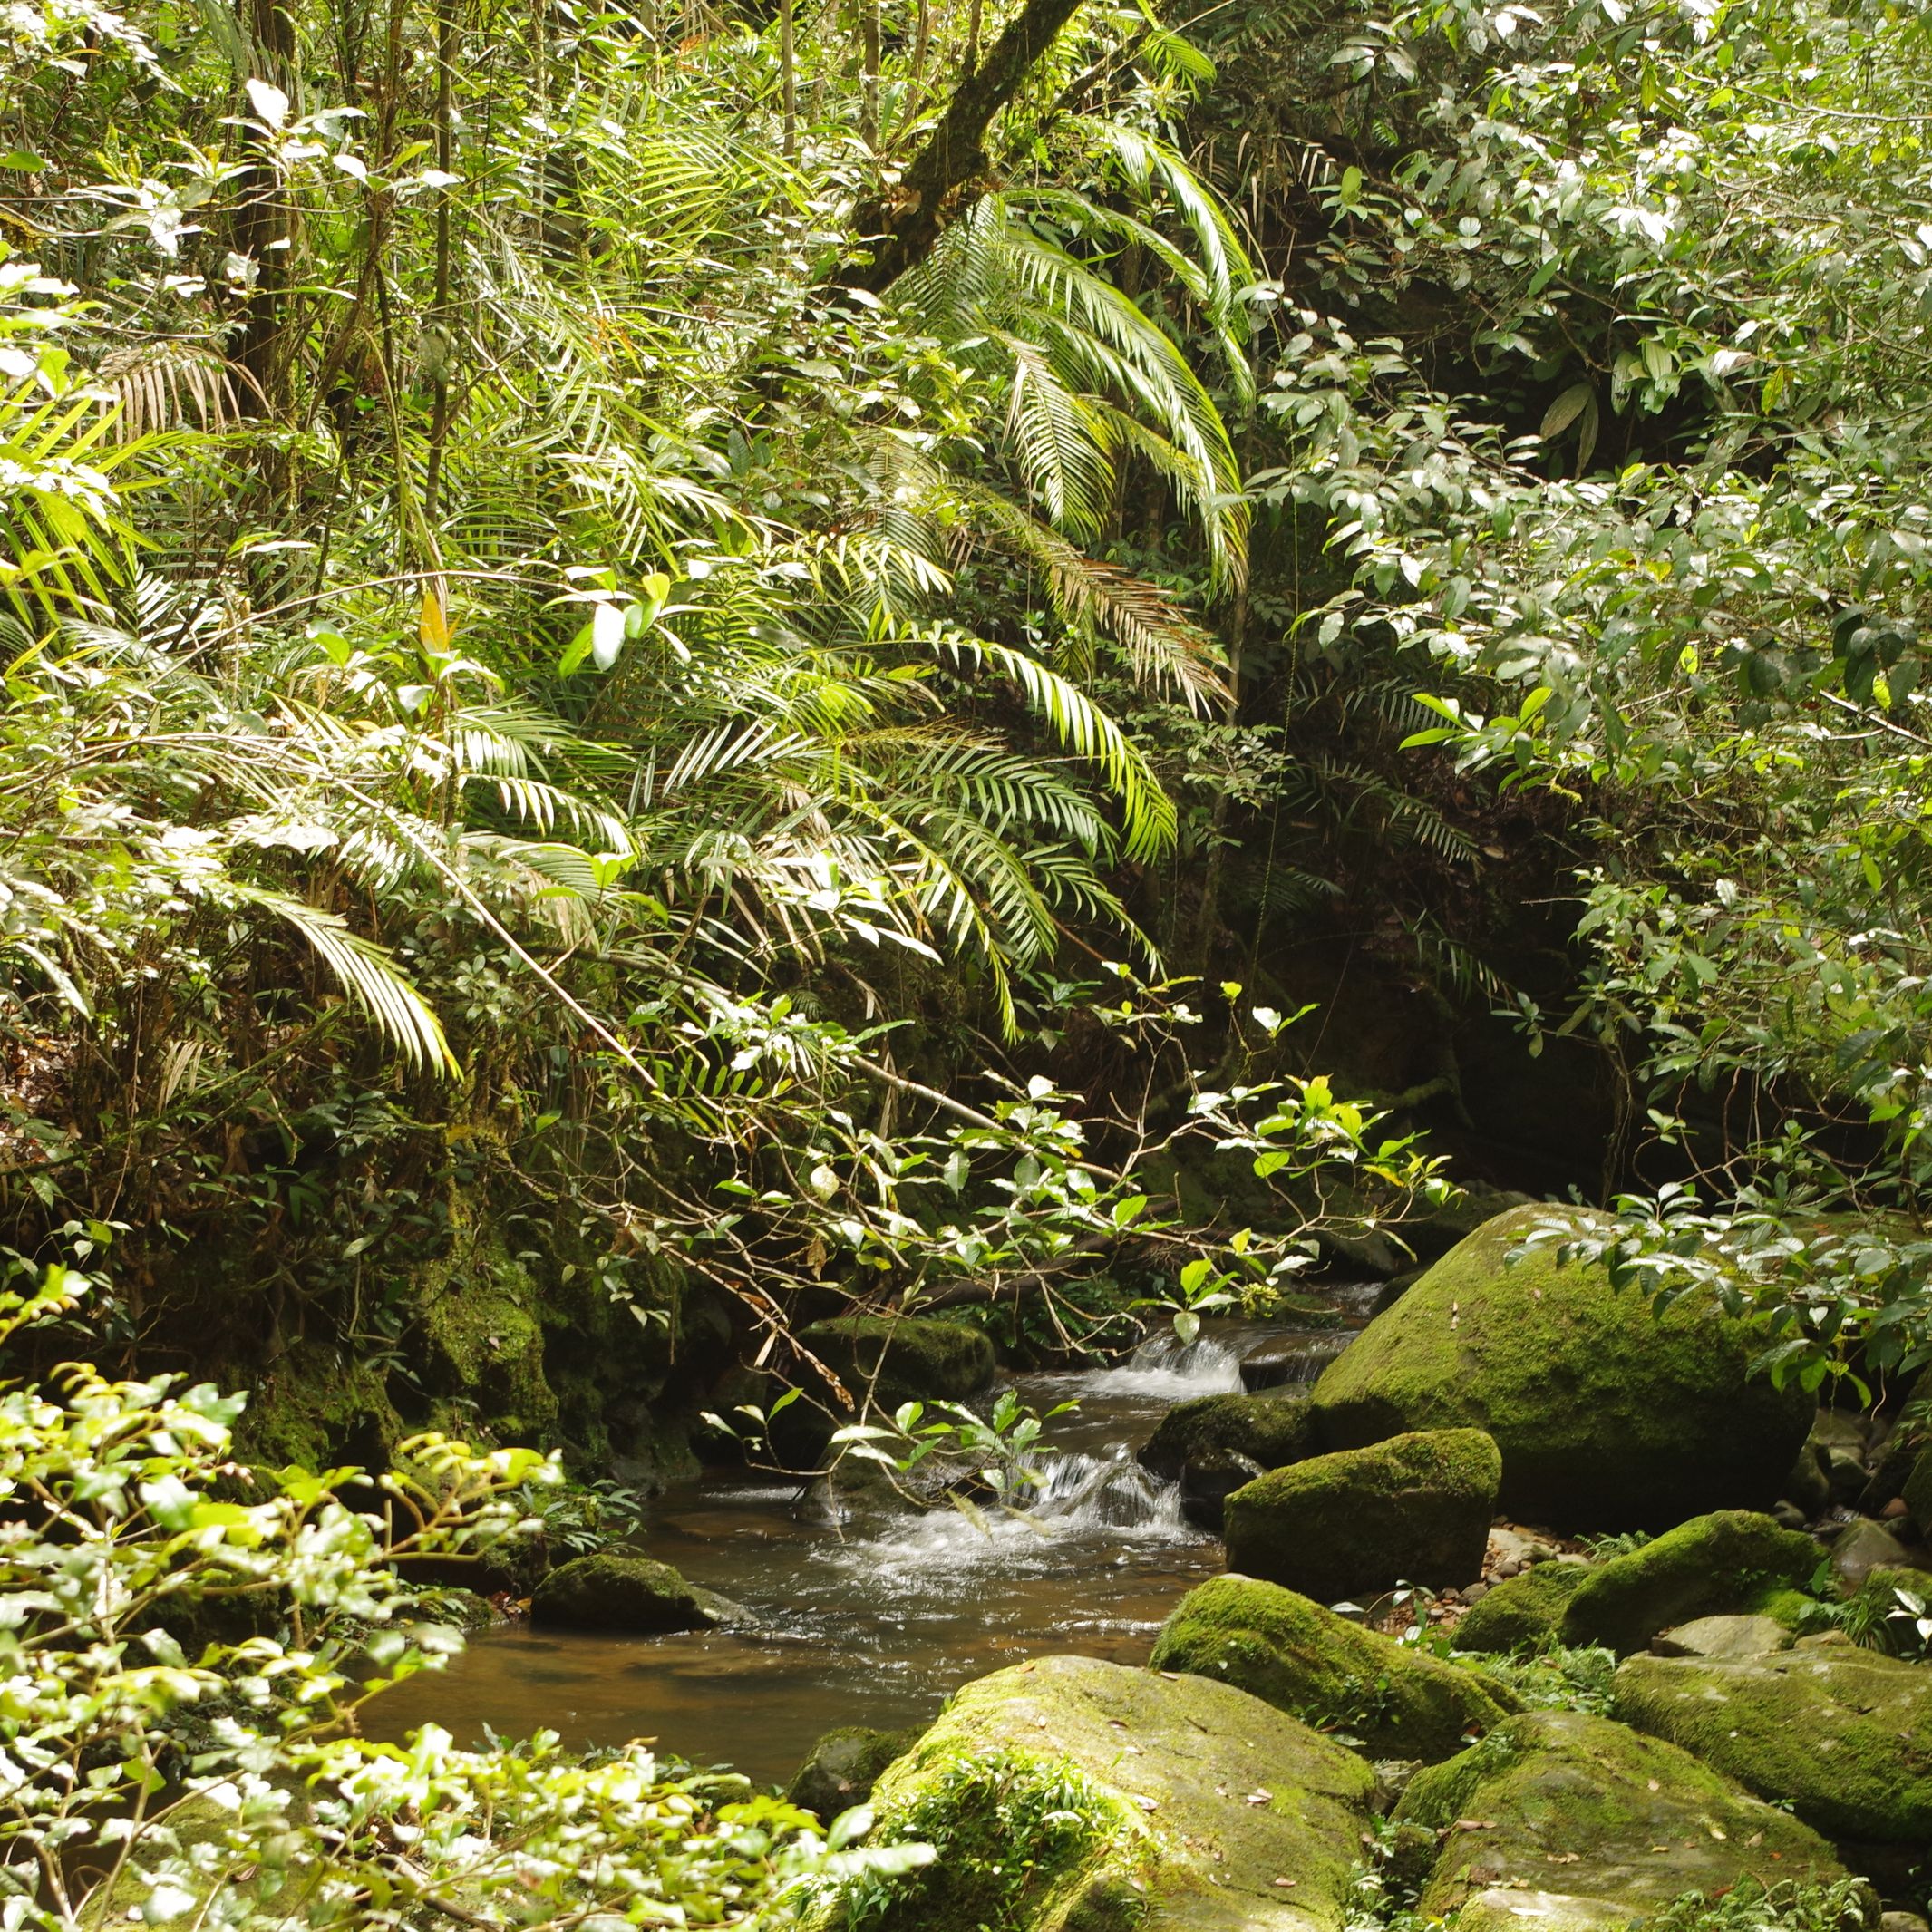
<point x="191" y="1646"/>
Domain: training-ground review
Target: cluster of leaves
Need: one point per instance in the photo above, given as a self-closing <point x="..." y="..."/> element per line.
<point x="1607" y="388"/>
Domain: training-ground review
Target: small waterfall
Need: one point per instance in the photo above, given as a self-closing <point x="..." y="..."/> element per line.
<point x="1107" y="1492"/>
<point x="1166" y="1369"/>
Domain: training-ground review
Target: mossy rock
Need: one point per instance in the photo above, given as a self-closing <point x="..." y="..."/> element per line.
<point x="1609" y="1825"/>
<point x="1917" y="1494"/>
<point x="1522" y="1611"/>
<point x="1730" y="1561"/>
<point x="483" y="1341"/>
<point x="1416" y="1509"/>
<point x="1072" y="1795"/>
<point x="316" y="1407"/>
<point x="899" y="1358"/>
<point x="1264" y="1431"/>
<point x="1608" y="1416"/>
<point x="1390" y="1700"/>
<point x="1844" y="1734"/>
<point x="844" y="1765"/>
<point x="629" y="1593"/>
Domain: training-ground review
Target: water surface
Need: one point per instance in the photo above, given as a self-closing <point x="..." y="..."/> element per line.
<point x="876" y="1621"/>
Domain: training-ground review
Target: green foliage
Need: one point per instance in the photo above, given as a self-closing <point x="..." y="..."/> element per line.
<point x="1754" y="1906"/>
<point x="1559" y="1676"/>
<point x="190" y="1644"/>
<point x="1006" y="1828"/>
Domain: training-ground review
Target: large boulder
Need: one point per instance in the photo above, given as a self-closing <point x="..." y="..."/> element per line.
<point x="1216" y="1445"/>
<point x="898" y="1358"/>
<point x="631" y="1595"/>
<point x="1270" y="1430"/>
<point x="1574" y="1824"/>
<point x="1843" y="1734"/>
<point x="1071" y="1795"/>
<point x="1608" y="1416"/>
<point x="1728" y="1562"/>
<point x="1390" y="1699"/>
<point x="1416" y="1509"/>
<point x="1522" y="1611"/>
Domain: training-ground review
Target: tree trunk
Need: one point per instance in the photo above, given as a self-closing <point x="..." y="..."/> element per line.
<point x="909" y="225"/>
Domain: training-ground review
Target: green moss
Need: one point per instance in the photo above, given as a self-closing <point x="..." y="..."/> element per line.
<point x="316" y="1407"/>
<point x="844" y="1765"/>
<point x="1844" y="1734"/>
<point x="913" y="1357"/>
<point x="1523" y="1610"/>
<point x="1578" y="1805"/>
<point x="1184" y="1800"/>
<point x="1416" y="1509"/>
<point x="483" y="1339"/>
<point x="1270" y="1430"/>
<point x="1390" y="1699"/>
<point x="1607" y="1414"/>
<point x="1730" y="1560"/>
<point x="630" y="1593"/>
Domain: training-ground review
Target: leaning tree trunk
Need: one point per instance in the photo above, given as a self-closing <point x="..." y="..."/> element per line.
<point x="911" y="222"/>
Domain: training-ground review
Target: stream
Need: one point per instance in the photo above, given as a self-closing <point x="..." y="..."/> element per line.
<point x="874" y="1623"/>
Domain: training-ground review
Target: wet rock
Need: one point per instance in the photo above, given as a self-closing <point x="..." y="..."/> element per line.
<point x="627" y="1594"/>
<point x="1730" y="1561"/>
<point x="900" y="1358"/>
<point x="1608" y="1416"/>
<point x="1918" y="1493"/>
<point x="1845" y="1735"/>
<point x="1392" y="1699"/>
<point x="1565" y="1821"/>
<point x="1208" y="1478"/>
<point x="1070" y="1794"/>
<point x="1268" y="1430"/>
<point x="1521" y="1613"/>
<point x="1722" y="1637"/>
<point x="1806" y="1489"/>
<point x="1291" y="1362"/>
<point x="1788" y="1516"/>
<point x="843" y="1767"/>
<point x="1902" y="1922"/>
<point x="1416" y="1509"/>
<point x="1845" y="1475"/>
<point x="1866" y="1546"/>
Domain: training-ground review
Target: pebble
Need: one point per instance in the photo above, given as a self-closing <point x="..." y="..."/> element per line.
<point x="1890" y="1513"/>
<point x="1475" y="1593"/>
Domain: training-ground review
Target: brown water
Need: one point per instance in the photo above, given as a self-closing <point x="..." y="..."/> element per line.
<point x="875" y="1621"/>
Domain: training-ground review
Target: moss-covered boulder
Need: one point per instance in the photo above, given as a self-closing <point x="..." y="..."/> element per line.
<point x="1523" y="1610"/>
<point x="1844" y="1734"/>
<point x="629" y="1593"/>
<point x="1271" y="1430"/>
<point x="844" y="1765"/>
<point x="1416" y="1509"/>
<point x="1390" y="1699"/>
<point x="1071" y="1795"/>
<point x="1608" y="1416"/>
<point x="1214" y="1444"/>
<point x="897" y="1358"/>
<point x="1918" y="1493"/>
<point x="1605" y="1825"/>
<point x="1730" y="1561"/>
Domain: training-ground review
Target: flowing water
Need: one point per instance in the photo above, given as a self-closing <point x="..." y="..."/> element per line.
<point x="876" y="1621"/>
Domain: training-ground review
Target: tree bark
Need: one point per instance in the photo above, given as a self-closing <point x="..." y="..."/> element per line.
<point x="911" y="222"/>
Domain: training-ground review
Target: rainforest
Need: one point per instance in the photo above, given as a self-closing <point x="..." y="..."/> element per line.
<point x="967" y="965"/>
